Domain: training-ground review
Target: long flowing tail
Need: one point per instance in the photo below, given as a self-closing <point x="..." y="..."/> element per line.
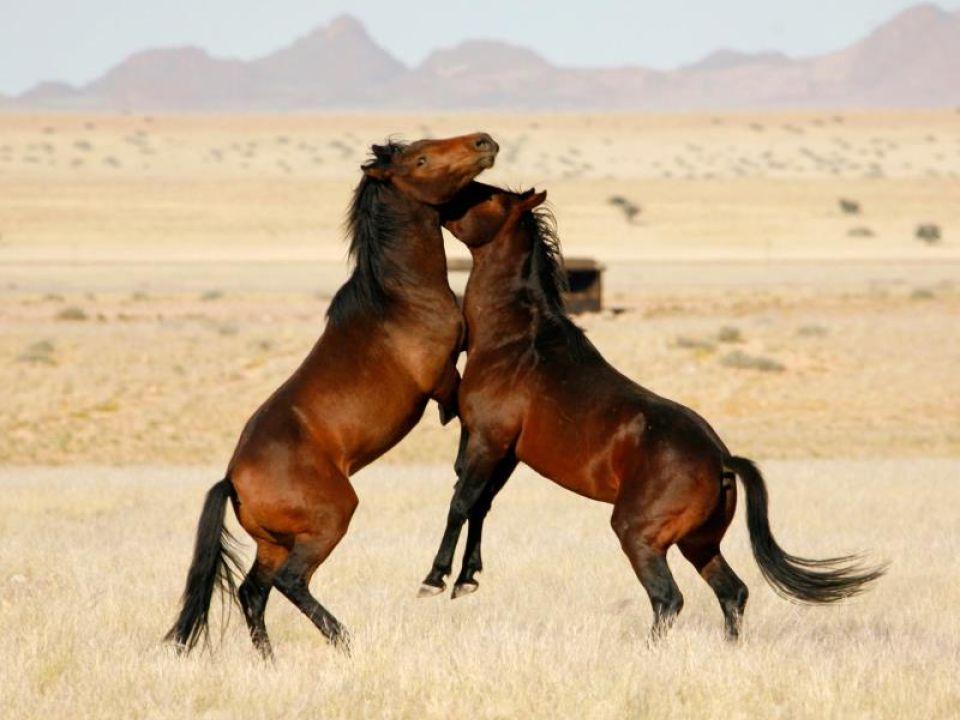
<point x="214" y="565"/>
<point x="797" y="578"/>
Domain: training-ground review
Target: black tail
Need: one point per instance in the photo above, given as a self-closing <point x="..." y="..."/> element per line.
<point x="810" y="581"/>
<point x="214" y="564"/>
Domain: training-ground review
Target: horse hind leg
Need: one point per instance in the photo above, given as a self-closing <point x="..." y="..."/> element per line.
<point x="730" y="590"/>
<point x="255" y="590"/>
<point x="480" y="464"/>
<point x="309" y="550"/>
<point x="293" y="579"/>
<point x="472" y="562"/>
<point x="649" y="561"/>
<point x="702" y="549"/>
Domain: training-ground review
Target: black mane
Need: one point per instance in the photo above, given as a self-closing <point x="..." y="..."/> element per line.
<point x="546" y="282"/>
<point x="372" y="224"/>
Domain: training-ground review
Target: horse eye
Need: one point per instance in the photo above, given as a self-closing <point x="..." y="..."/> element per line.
<point x="421" y="161"/>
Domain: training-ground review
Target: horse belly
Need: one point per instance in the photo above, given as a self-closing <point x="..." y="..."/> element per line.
<point x="566" y="450"/>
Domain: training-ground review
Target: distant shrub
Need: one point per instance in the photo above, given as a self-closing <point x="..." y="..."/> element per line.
<point x="729" y="334"/>
<point x="630" y="209"/>
<point x="849" y="207"/>
<point x="928" y="233"/>
<point x="72" y="313"/>
<point x="39" y="353"/>
<point x="741" y="360"/>
<point x="690" y="343"/>
<point x="812" y="331"/>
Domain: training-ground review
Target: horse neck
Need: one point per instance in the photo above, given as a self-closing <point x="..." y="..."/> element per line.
<point x="498" y="304"/>
<point x="417" y="252"/>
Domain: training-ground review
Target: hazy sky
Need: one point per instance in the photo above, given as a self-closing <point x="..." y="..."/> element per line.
<point x="76" y="40"/>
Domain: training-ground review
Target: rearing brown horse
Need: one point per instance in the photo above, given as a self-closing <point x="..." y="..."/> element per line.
<point x="393" y="334"/>
<point x="536" y="390"/>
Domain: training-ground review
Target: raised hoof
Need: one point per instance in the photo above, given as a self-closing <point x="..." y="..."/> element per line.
<point x="430" y="590"/>
<point x="461" y="589"/>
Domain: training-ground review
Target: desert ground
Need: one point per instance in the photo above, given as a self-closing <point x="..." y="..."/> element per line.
<point x="161" y="275"/>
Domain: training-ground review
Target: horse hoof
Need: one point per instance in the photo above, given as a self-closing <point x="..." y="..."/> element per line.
<point x="461" y="589"/>
<point x="430" y="590"/>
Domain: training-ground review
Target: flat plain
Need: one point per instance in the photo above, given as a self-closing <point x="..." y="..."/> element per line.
<point x="160" y="275"/>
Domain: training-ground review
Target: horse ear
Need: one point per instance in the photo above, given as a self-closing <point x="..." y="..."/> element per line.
<point x="531" y="199"/>
<point x="376" y="172"/>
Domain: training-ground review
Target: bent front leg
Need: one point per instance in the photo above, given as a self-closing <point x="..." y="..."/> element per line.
<point x="479" y="466"/>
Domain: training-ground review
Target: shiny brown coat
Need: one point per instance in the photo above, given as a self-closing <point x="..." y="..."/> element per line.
<point x="391" y="342"/>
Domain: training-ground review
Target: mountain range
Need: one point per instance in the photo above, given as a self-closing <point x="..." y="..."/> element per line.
<point x="912" y="60"/>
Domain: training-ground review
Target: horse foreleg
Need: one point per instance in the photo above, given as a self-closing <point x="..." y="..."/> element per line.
<point x="479" y="466"/>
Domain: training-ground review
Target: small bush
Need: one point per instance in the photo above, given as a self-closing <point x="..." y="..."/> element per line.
<point x="39" y="353"/>
<point x="741" y="360"/>
<point x="72" y="313"/>
<point x="849" y="207"/>
<point x="689" y="343"/>
<point x="629" y="209"/>
<point x="729" y="334"/>
<point x="928" y="233"/>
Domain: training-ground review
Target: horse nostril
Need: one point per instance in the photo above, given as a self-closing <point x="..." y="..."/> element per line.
<point x="485" y="143"/>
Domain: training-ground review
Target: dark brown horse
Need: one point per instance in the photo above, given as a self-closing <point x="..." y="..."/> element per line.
<point x="391" y="342"/>
<point x="536" y="390"/>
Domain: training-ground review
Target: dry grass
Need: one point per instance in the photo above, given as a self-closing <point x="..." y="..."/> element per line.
<point x="94" y="559"/>
<point x="159" y="276"/>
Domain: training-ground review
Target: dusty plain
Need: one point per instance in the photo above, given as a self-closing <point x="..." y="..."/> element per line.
<point x="160" y="275"/>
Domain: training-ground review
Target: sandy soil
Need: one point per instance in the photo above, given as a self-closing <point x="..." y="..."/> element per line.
<point x="270" y="187"/>
<point x="862" y="370"/>
<point x="94" y="559"/>
<point x="159" y="276"/>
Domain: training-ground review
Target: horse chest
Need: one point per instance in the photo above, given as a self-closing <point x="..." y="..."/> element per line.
<point x="428" y="351"/>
